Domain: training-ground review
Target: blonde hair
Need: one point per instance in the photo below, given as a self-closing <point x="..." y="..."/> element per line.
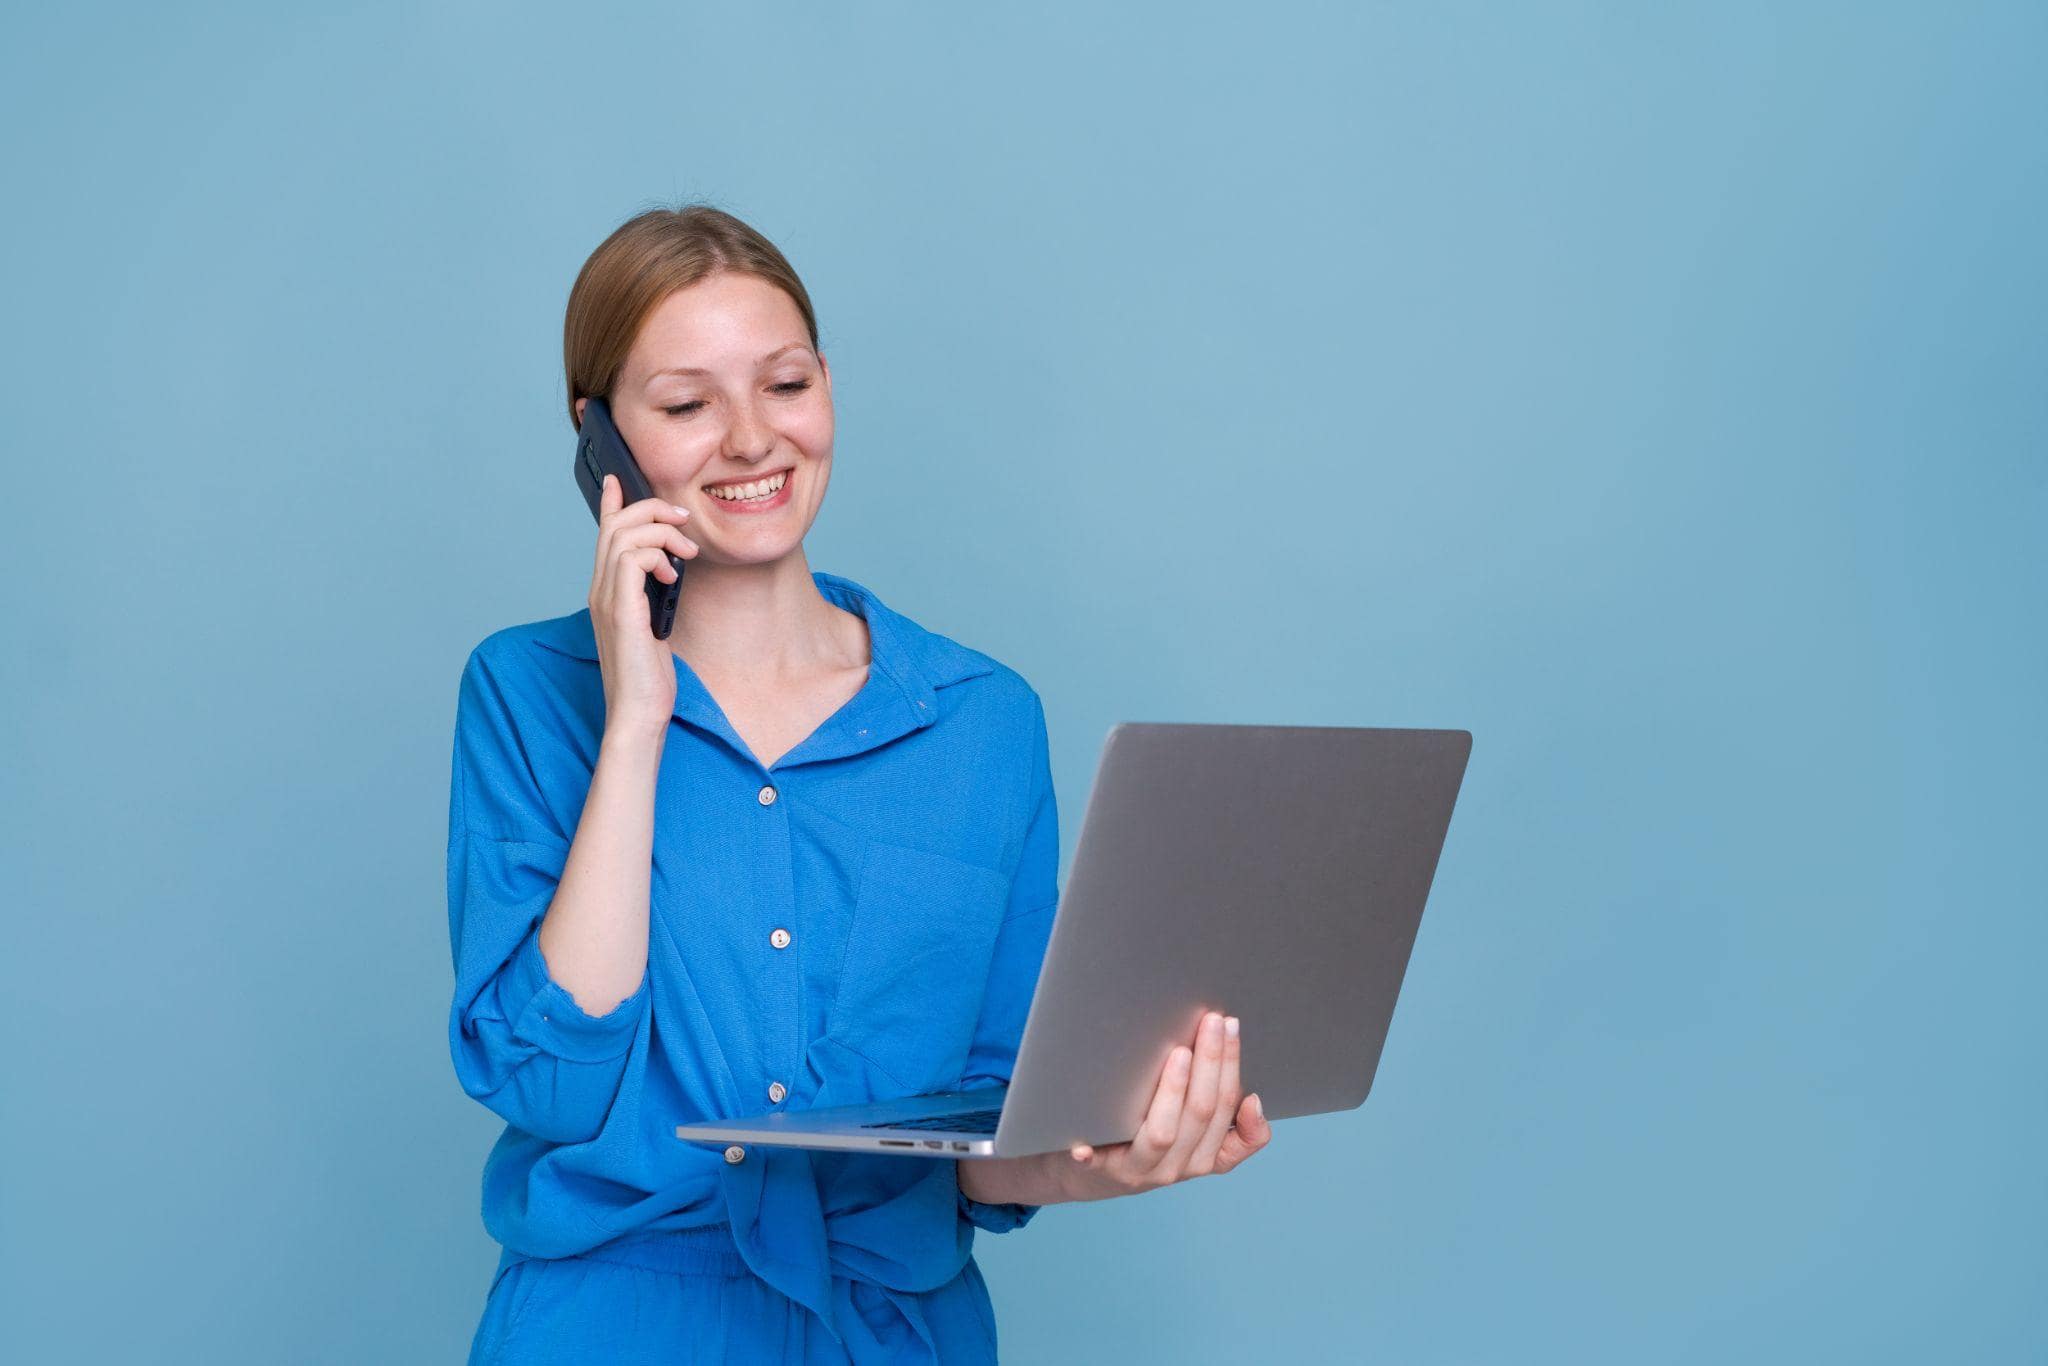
<point x="647" y="258"/>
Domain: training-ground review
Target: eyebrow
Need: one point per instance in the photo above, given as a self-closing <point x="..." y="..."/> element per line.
<point x="695" y="370"/>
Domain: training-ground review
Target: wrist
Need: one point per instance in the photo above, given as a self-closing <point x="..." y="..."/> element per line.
<point x="633" y="733"/>
<point x="1033" y="1180"/>
<point x="1050" y="1179"/>
<point x="1056" y="1177"/>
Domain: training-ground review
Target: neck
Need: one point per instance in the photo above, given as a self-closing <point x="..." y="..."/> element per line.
<point x="761" y="621"/>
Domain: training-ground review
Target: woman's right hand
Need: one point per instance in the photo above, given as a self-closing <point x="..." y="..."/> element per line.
<point x="639" y="667"/>
<point x="1200" y="1122"/>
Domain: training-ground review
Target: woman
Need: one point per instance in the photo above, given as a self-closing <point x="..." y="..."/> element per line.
<point x="801" y="853"/>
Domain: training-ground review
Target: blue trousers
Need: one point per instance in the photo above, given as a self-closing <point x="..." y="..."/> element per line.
<point x="687" y="1296"/>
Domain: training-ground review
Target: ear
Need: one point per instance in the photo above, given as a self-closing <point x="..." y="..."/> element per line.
<point x="580" y="404"/>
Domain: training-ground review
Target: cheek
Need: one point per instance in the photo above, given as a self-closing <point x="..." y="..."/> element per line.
<point x="812" y="429"/>
<point x="676" y="456"/>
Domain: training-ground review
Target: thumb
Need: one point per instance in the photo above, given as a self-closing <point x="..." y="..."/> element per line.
<point x="1251" y="1118"/>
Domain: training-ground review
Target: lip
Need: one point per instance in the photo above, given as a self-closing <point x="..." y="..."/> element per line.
<point x="781" y="498"/>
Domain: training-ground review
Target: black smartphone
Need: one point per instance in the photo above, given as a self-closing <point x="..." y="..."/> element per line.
<point x="600" y="450"/>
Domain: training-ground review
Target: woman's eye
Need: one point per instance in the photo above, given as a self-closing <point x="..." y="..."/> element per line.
<point x="794" y="386"/>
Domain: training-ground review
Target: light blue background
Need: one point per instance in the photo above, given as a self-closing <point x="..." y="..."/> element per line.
<point x="1657" y="394"/>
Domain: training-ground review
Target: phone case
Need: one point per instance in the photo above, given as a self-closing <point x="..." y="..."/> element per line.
<point x="600" y="450"/>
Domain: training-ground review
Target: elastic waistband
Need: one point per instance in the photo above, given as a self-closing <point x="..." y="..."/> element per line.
<point x="707" y="1250"/>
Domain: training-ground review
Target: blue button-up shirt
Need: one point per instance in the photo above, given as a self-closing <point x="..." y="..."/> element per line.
<point x="907" y="853"/>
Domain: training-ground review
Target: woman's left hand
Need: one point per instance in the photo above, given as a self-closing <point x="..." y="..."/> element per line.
<point x="1197" y="1124"/>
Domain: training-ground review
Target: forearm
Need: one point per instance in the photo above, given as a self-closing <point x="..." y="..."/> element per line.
<point x="594" y="935"/>
<point x="1041" y="1179"/>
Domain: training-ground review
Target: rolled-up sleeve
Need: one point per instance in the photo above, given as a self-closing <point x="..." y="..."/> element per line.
<point x="1019" y="953"/>
<point x="520" y="1043"/>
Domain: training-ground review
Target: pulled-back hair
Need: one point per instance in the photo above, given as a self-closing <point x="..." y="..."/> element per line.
<point x="649" y="257"/>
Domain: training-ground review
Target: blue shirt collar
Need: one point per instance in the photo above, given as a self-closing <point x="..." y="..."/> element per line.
<point x="914" y="660"/>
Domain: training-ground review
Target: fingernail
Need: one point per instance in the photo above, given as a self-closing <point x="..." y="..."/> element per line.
<point x="1230" y="1026"/>
<point x="680" y="511"/>
<point x="1258" y="1105"/>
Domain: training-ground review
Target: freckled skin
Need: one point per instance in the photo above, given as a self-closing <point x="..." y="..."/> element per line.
<point x="725" y="324"/>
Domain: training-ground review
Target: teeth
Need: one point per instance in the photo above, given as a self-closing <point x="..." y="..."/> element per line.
<point x="733" y="493"/>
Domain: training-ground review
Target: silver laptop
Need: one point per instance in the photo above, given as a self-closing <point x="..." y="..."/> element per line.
<point x="1277" y="873"/>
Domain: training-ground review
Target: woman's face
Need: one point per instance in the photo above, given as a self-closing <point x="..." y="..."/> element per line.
<point x="722" y="388"/>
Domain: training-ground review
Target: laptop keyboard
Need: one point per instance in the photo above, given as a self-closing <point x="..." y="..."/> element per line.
<point x="972" y="1122"/>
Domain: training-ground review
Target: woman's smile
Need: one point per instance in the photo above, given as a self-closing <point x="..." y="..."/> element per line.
<point x="771" y="493"/>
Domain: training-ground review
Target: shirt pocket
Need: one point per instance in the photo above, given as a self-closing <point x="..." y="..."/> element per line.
<point x="916" y="963"/>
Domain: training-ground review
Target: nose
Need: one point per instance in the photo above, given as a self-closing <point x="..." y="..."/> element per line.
<point x="750" y="437"/>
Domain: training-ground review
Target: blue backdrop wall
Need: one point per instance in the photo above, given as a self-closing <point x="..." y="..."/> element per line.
<point x="1657" y="394"/>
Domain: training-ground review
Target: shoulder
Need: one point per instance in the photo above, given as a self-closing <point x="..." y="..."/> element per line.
<point x="949" y="664"/>
<point x="993" y="710"/>
<point x="534" y="671"/>
<point x="553" y="645"/>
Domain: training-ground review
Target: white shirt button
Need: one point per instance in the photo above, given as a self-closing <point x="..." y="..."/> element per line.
<point x="779" y="937"/>
<point x="768" y="795"/>
<point x="735" y="1153"/>
<point x="776" y="1091"/>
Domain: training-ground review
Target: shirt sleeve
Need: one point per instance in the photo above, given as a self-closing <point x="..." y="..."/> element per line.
<point x="1019" y="953"/>
<point x="520" y="1043"/>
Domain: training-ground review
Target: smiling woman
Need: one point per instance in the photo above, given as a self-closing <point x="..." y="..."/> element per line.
<point x="665" y="884"/>
<point x="703" y="339"/>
